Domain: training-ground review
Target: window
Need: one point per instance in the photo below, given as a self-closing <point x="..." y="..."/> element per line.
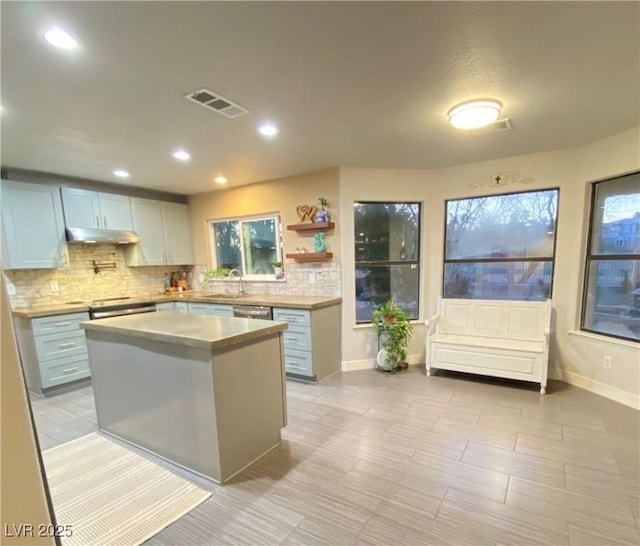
<point x="611" y="301"/>
<point x="501" y="246"/>
<point x="250" y="245"/>
<point x="387" y="256"/>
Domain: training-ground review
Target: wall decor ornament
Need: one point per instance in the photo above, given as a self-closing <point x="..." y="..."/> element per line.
<point x="319" y="244"/>
<point x="306" y="213"/>
<point x="501" y="178"/>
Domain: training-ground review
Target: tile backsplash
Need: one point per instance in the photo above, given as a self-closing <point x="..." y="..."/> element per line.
<point x="79" y="282"/>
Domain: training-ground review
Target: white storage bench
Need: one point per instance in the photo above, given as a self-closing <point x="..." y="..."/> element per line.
<point x="491" y="337"/>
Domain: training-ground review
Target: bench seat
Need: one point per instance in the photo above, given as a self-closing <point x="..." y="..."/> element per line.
<point x="497" y="338"/>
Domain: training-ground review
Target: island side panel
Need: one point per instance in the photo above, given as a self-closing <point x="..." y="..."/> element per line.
<point x="158" y="396"/>
<point x="250" y="401"/>
<point x="326" y="341"/>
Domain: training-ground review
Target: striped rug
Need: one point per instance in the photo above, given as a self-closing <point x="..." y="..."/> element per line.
<point x="108" y="494"/>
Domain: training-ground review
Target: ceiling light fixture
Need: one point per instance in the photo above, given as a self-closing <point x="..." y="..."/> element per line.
<point x="181" y="155"/>
<point x="121" y="173"/>
<point x="474" y="114"/>
<point x="60" y="38"/>
<point x="268" y="129"/>
<point x="220" y="180"/>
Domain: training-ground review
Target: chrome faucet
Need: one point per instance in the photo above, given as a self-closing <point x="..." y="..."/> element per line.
<point x="241" y="290"/>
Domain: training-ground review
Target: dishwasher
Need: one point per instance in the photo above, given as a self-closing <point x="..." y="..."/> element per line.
<point x="253" y="311"/>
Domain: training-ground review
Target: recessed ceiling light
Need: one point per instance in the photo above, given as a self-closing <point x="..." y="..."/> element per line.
<point x="60" y="38"/>
<point x="181" y="155"/>
<point x="121" y="173"/>
<point x="268" y="129"/>
<point x="220" y="180"/>
<point x="474" y="114"/>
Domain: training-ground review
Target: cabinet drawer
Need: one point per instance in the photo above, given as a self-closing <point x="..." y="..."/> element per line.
<point x="298" y="362"/>
<point x="301" y="317"/>
<point x="57" y="323"/>
<point x="58" y="345"/>
<point x="180" y="307"/>
<point x="297" y="337"/>
<point x="63" y="370"/>
<point x="199" y="308"/>
<point x="166" y="306"/>
<point x="222" y="310"/>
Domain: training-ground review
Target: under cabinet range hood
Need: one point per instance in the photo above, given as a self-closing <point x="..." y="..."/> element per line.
<point x="95" y="236"/>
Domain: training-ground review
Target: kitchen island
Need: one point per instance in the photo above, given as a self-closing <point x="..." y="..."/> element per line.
<point x="205" y="393"/>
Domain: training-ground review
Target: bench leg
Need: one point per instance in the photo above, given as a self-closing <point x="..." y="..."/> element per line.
<point x="543" y="388"/>
<point x="428" y="371"/>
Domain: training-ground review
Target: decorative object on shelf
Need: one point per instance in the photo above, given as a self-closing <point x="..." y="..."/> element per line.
<point x="319" y="244"/>
<point x="393" y="332"/>
<point x="306" y="213"/>
<point x="277" y="269"/>
<point x="322" y="215"/>
<point x="501" y="178"/>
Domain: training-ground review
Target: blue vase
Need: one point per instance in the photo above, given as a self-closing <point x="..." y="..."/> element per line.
<point x="322" y="216"/>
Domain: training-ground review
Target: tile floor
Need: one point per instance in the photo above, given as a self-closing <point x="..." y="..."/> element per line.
<point x="376" y="458"/>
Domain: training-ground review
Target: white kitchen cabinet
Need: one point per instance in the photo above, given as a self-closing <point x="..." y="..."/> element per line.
<point x="311" y="346"/>
<point x="165" y="234"/>
<point x="90" y="209"/>
<point x="33" y="234"/>
<point x="53" y="350"/>
<point x="165" y="306"/>
<point x="217" y="309"/>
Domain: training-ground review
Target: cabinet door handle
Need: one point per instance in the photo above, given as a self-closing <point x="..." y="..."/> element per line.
<point x="62" y="323"/>
<point x="105" y="222"/>
<point x="70" y="370"/>
<point x="98" y="221"/>
<point x="65" y="345"/>
<point x="292" y="338"/>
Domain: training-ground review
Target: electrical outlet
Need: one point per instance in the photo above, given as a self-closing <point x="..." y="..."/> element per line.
<point x="606" y="362"/>
<point x="11" y="289"/>
<point x="54" y="287"/>
<point x="312" y="278"/>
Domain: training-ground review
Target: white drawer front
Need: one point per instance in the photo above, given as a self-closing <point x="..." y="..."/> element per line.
<point x="166" y="306"/>
<point x="180" y="307"/>
<point x="58" y="323"/>
<point x="59" y="345"/>
<point x="300" y="317"/>
<point x="199" y="308"/>
<point x="298" y="362"/>
<point x="297" y="337"/>
<point x="63" y="370"/>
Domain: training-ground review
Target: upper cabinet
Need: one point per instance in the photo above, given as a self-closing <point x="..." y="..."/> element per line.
<point x="165" y="234"/>
<point x="90" y="209"/>
<point x="33" y="226"/>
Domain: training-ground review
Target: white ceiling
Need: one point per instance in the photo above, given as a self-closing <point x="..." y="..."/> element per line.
<point x="359" y="84"/>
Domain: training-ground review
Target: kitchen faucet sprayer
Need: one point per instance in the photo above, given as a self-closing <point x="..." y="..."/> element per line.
<point x="241" y="290"/>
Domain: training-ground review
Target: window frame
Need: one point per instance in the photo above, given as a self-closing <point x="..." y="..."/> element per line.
<point x="390" y="263"/>
<point x="242" y="219"/>
<point x="496" y="259"/>
<point x="589" y="257"/>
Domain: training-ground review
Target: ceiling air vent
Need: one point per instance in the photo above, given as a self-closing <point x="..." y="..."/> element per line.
<point x="215" y="102"/>
<point x="495" y="127"/>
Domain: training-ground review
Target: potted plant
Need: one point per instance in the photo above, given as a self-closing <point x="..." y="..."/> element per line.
<point x="277" y="269"/>
<point x="212" y="274"/>
<point x="322" y="215"/>
<point x="393" y="332"/>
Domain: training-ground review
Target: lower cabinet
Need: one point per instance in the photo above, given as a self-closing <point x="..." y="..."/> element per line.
<point x="165" y="306"/>
<point x="53" y="350"/>
<point x="311" y="343"/>
<point x="217" y="309"/>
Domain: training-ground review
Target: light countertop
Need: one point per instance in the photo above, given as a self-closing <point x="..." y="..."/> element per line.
<point x="270" y="300"/>
<point x="202" y="331"/>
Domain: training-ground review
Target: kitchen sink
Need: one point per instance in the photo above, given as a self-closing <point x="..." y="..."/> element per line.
<point x="223" y="296"/>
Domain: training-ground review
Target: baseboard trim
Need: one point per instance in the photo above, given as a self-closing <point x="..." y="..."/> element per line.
<point x="596" y="387"/>
<point x="370" y="363"/>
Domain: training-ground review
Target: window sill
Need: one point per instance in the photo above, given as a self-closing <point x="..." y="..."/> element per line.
<point x="603" y="339"/>
<point x="362" y="326"/>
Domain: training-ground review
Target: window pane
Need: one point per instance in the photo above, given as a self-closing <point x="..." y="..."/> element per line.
<point x="378" y="284"/>
<point x="386" y="232"/>
<point x="616" y="216"/>
<point x="519" y="225"/>
<point x="613" y="298"/>
<point x="260" y="250"/>
<point x="227" y="238"/>
<point x="498" y="280"/>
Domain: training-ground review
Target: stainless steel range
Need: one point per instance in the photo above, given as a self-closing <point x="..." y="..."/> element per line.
<point x="115" y="307"/>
